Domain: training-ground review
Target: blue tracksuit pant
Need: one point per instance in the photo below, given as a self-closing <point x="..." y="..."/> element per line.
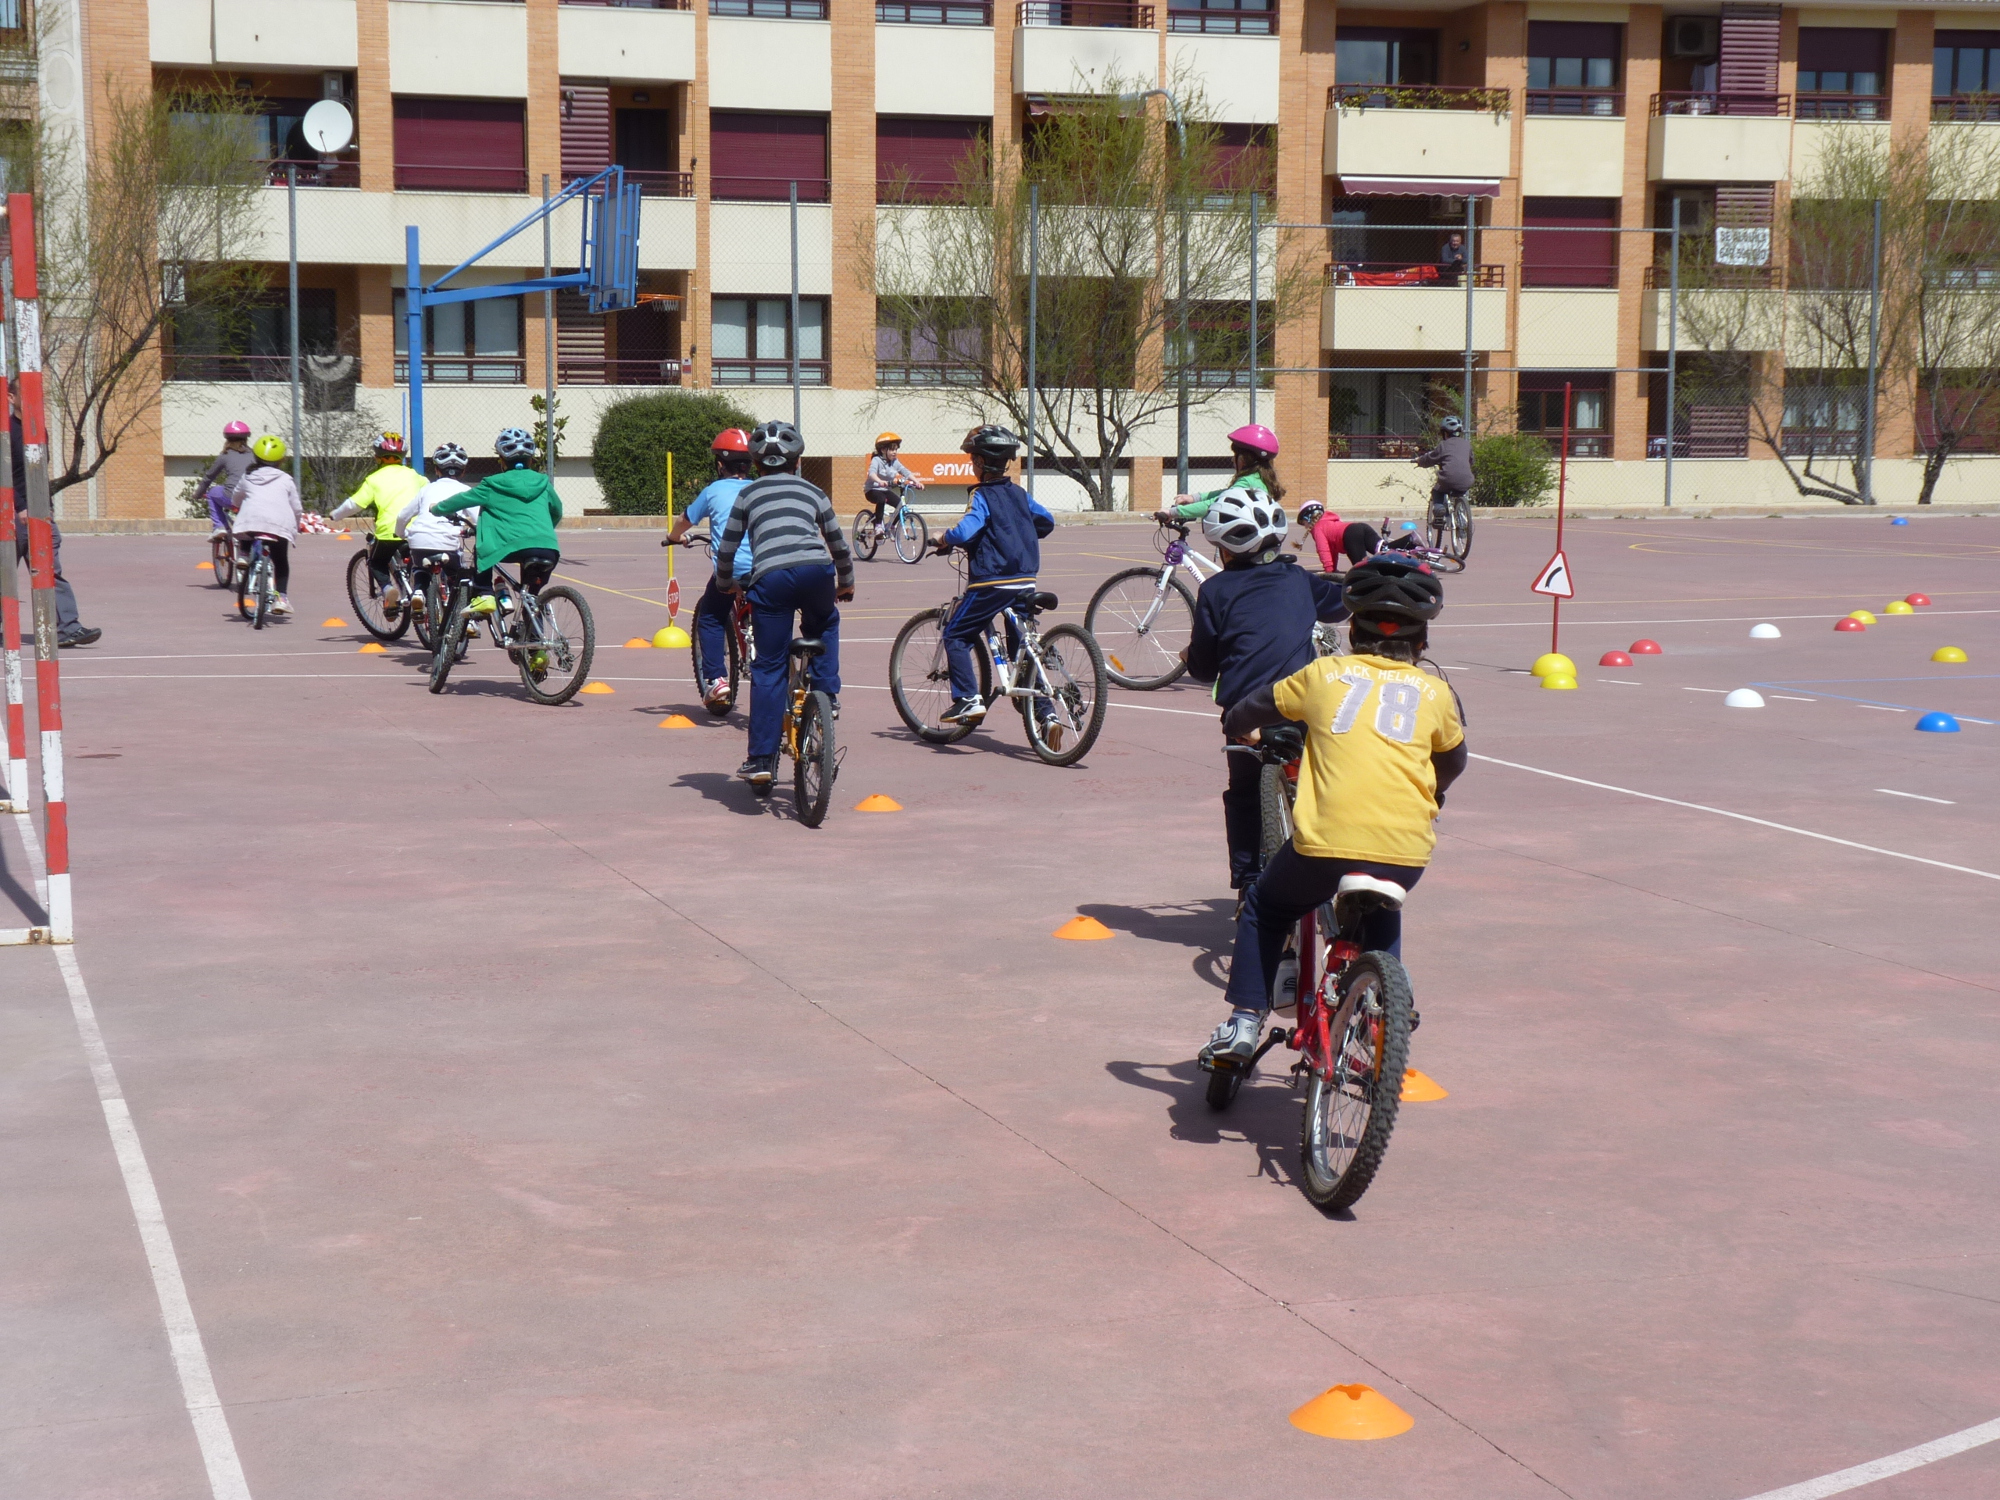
<point x="968" y="623"/>
<point x="711" y="632"/>
<point x="805" y="591"/>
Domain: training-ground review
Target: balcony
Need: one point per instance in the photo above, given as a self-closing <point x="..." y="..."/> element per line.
<point x="1842" y="107"/>
<point x="1411" y="318"/>
<point x="665" y="184"/>
<point x="931" y="13"/>
<point x="770" y="10"/>
<point x="589" y="370"/>
<point x="1402" y="273"/>
<point x="914" y="372"/>
<point x="1069" y="46"/>
<point x="1745" y="318"/>
<point x="1717" y="278"/>
<point x="1451" y="134"/>
<point x="1375" y="445"/>
<point x="634" y="4"/>
<point x="636" y="41"/>
<point x="1592" y="103"/>
<point x="317" y="172"/>
<point x="452" y="177"/>
<point x="769" y="371"/>
<point x="769" y="189"/>
<point x="1224" y="19"/>
<point x="1115" y="14"/>
<point x="249" y="369"/>
<point x="1966" y="109"/>
<point x="1694" y="137"/>
<point x="465" y="370"/>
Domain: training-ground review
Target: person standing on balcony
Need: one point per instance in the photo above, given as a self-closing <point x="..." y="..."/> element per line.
<point x="385" y="494"/>
<point x="1451" y="261"/>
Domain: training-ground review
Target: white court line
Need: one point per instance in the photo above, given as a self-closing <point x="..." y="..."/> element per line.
<point x="1790" y="698"/>
<point x="1914" y="796"/>
<point x="1882" y="708"/>
<point x="198" y="1394"/>
<point x="1883" y="1468"/>
<point x="1622" y="681"/>
<point x="1691" y="620"/>
<point x="1686" y="689"/>
<point x="1723" y="812"/>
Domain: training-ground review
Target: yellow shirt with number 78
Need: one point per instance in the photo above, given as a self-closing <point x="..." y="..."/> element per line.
<point x="1367" y="789"/>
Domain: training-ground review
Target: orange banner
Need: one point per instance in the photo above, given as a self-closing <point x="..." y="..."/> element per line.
<point x="941" y="468"/>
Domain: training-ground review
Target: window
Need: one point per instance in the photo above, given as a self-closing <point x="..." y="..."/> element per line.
<point x="1541" y="409"/>
<point x="257" y="347"/>
<point x="771" y="10"/>
<point x="1381" y="414"/>
<point x="1246" y="160"/>
<point x="1965" y="68"/>
<point x="1573" y="68"/>
<point x="1573" y="255"/>
<point x="758" y="157"/>
<point x="1219" y="344"/>
<point x="750" y="341"/>
<point x="464" y="341"/>
<point x="1823" y="413"/>
<point x="1841" y="73"/>
<point x="1384" y="54"/>
<point x="929" y="343"/>
<point x="461" y="145"/>
<point x="1230" y="17"/>
<point x="922" y="160"/>
<point x="934" y="12"/>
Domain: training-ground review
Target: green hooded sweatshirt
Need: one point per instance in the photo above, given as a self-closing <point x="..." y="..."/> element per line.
<point x="518" y="508"/>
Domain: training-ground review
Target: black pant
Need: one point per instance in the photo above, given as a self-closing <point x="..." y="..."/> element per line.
<point x="881" y="497"/>
<point x="1243" y="817"/>
<point x="1359" y="540"/>
<point x="1292" y="885"/>
<point x="380" y="555"/>
<point x="537" y="563"/>
<point x="67" y="622"/>
<point x="280" y="554"/>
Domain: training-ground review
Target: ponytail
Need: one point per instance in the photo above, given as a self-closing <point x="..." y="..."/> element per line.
<point x="1251" y="461"/>
<point x="1267" y="472"/>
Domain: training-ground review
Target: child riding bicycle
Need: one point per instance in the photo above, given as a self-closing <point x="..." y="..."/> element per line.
<point x="801" y="567"/>
<point x="885" y="473"/>
<point x="1452" y="458"/>
<point x="266" y="505"/>
<point x="1253" y="624"/>
<point x="518" y="510"/>
<point x="711" y="614"/>
<point x="1001" y="535"/>
<point x="1253" y="451"/>
<point x="220" y="478"/>
<point x="432" y="538"/>
<point x="384" y="494"/>
<point x="1383" y="742"/>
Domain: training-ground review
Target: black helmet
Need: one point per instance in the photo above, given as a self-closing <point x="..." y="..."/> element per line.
<point x="1384" y="587"/>
<point x="996" y="445"/>
<point x="776" y="445"/>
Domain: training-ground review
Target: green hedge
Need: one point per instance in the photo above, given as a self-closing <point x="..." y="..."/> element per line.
<point x="635" y="436"/>
<point x="1512" y="468"/>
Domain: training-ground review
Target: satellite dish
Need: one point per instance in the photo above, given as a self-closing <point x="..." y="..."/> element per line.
<point x="328" y="127"/>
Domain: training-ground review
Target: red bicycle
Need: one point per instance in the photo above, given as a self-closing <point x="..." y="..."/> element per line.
<point x="738" y="639"/>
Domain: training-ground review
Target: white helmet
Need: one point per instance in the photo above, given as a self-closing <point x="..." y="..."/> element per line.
<point x="1244" y="521"/>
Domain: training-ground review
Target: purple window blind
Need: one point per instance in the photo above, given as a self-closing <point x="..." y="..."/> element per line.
<point x="1749" y="49"/>
<point x="1569" y="259"/>
<point x="1246" y="158"/>
<point x="920" y="159"/>
<point x="462" y="145"/>
<point x="760" y="156"/>
<point x="586" y="130"/>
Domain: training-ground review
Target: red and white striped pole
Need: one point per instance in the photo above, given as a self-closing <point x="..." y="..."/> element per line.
<point x="41" y="558"/>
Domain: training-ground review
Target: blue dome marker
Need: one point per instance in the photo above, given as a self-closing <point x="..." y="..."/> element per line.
<point x="1938" y="723"/>
<point x="1899" y="520"/>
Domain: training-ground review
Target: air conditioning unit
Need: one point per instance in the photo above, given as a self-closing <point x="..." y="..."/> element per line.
<point x="1692" y="36"/>
<point x="333" y="85"/>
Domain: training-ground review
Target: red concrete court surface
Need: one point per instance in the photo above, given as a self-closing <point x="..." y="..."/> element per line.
<point x="533" y="1115"/>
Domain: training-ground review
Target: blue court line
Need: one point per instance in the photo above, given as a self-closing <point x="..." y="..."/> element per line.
<point x="1877" y="702"/>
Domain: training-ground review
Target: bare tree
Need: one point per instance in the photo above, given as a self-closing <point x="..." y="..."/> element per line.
<point x="950" y="277"/>
<point x="158" y="223"/>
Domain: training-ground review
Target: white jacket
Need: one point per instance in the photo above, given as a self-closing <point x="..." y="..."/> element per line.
<point x="430" y="533"/>
<point x="267" y="502"/>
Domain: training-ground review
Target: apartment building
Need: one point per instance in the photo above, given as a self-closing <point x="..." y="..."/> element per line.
<point x="1396" y="126"/>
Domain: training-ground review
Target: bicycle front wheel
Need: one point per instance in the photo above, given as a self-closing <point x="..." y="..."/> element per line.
<point x="912" y="536"/>
<point x="427" y="612"/>
<point x="1142" y="627"/>
<point x="367" y="601"/>
<point x="920" y="678"/>
<point x="1461" y="527"/>
<point x="1079" y="684"/>
<point x="556" y="663"/>
<point x="813" y="767"/>
<point x="864" y="539"/>
<point x="222" y="555"/>
<point x="1351" y="1104"/>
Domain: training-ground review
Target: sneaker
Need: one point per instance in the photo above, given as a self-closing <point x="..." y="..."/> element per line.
<point x="718" y="694"/>
<point x="83" y="635"/>
<point x="281" y="605"/>
<point x="963" y="711"/>
<point x="835" y="697"/>
<point x="392" y="599"/>
<point x="481" y="605"/>
<point x="1053" y="731"/>
<point x="1234" y="1042"/>
<point x="759" y="770"/>
<point x="219" y="531"/>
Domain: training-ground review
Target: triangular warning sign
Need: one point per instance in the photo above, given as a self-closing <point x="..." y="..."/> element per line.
<point x="1554" y="579"/>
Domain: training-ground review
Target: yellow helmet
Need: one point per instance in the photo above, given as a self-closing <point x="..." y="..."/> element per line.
<point x="270" y="448"/>
<point x="887" y="437"/>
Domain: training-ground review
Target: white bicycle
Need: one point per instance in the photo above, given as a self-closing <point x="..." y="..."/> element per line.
<point x="1143" y="618"/>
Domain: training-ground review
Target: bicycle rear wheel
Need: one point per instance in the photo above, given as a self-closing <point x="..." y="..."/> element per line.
<point x="260" y="590"/>
<point x="451" y="641"/>
<point x="865" y="539"/>
<point x="920" y="679"/>
<point x="222" y="555"/>
<point x="1351" y="1105"/>
<point x="813" y="767"/>
<point x="427" y="612"/>
<point x="556" y="663"/>
<point x="1142" y="627"/>
<point x="912" y="536"/>
<point x="1275" y="811"/>
<point x="1079" y="684"/>
<point x="367" y="601"/>
<point x="1461" y="527"/>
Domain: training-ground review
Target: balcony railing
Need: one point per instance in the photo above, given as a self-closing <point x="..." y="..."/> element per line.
<point x="476" y="369"/>
<point x="586" y="370"/>
<point x="242" y="369"/>
<point x="1842" y="107"/>
<point x="1112" y="13"/>
<point x="1716" y="278"/>
<point x="313" y="172"/>
<point x="768" y="189"/>
<point x="1596" y="103"/>
<point x="769" y="371"/>
<point x="1964" y="278"/>
<point x="770" y="10"/>
<point x="1364" y="273"/>
<point x="635" y="4"/>
<point x="1966" y="107"/>
<point x="1223" y="22"/>
<point x="1375" y="445"/>
<point x="1581" y="444"/>
<point x="1418" y="96"/>
<point x="934" y="13"/>
<point x="1684" y="102"/>
<point x="1820" y="444"/>
<point x="923" y="372"/>
<point x="663" y="184"/>
<point x="440" y="177"/>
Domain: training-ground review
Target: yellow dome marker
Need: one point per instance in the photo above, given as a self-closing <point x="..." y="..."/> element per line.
<point x="1898" y="607"/>
<point x="676" y="721"/>
<point x="670" y="637"/>
<point x="374" y="648"/>
<point x="334" y="624"/>
<point x="1862" y="615"/>
<point x="1952" y="654"/>
<point x="1553" y="664"/>
<point x="638" y="643"/>
<point x="207" y="567"/>
<point x="1421" y="1088"/>
<point x="1357" y="1413"/>
<point x="878" y="803"/>
<point x="1562" y="682"/>
<point x="598" y="687"/>
<point x="1083" y="930"/>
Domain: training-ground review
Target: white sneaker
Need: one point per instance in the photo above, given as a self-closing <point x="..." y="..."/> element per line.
<point x="1234" y="1042"/>
<point x="281" y="605"/>
<point x="718" y="692"/>
<point x="392" y="598"/>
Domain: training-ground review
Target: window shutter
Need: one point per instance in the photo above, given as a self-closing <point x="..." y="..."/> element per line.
<point x="759" y="156"/>
<point x="1744" y="205"/>
<point x="586" y="130"/>
<point x="922" y="156"/>
<point x="1569" y="259"/>
<point x="1245" y="158"/>
<point x="1748" y="56"/>
<point x="465" y="145"/>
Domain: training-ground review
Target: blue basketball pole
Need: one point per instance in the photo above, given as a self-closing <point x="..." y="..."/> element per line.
<point x="413" y="319"/>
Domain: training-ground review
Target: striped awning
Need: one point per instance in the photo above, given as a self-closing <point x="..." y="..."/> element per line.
<point x="1420" y="187"/>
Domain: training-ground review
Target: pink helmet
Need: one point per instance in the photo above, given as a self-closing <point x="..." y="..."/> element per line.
<point x="236" y="430"/>
<point x="1256" y="436"/>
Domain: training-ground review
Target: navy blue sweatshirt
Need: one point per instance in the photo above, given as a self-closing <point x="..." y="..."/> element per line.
<point x="1001" y="535"/>
<point x="1253" y="626"/>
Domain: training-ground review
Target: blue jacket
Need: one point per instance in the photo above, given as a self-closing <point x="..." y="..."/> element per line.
<point x="1001" y="535"/>
<point x="1253" y="626"/>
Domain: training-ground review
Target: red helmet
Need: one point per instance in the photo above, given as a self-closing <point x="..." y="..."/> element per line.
<point x="731" y="440"/>
<point x="236" y="430"/>
<point x="390" y="442"/>
<point x="1257" y="437"/>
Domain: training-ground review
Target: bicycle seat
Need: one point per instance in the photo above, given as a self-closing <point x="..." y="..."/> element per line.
<point x="1039" y="601"/>
<point x="1359" y="895"/>
<point x="808" y="646"/>
<point x="1284" y="741"/>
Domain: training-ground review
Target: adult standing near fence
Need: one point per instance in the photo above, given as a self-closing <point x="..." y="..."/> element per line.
<point x="70" y="631"/>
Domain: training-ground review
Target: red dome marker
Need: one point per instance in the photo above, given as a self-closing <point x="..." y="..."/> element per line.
<point x="1920" y="601"/>
<point x="1846" y="622"/>
<point x="1614" y="659"/>
<point x="1645" y="648"/>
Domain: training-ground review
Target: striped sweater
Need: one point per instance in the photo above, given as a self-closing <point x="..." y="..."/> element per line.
<point x="790" y="524"/>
